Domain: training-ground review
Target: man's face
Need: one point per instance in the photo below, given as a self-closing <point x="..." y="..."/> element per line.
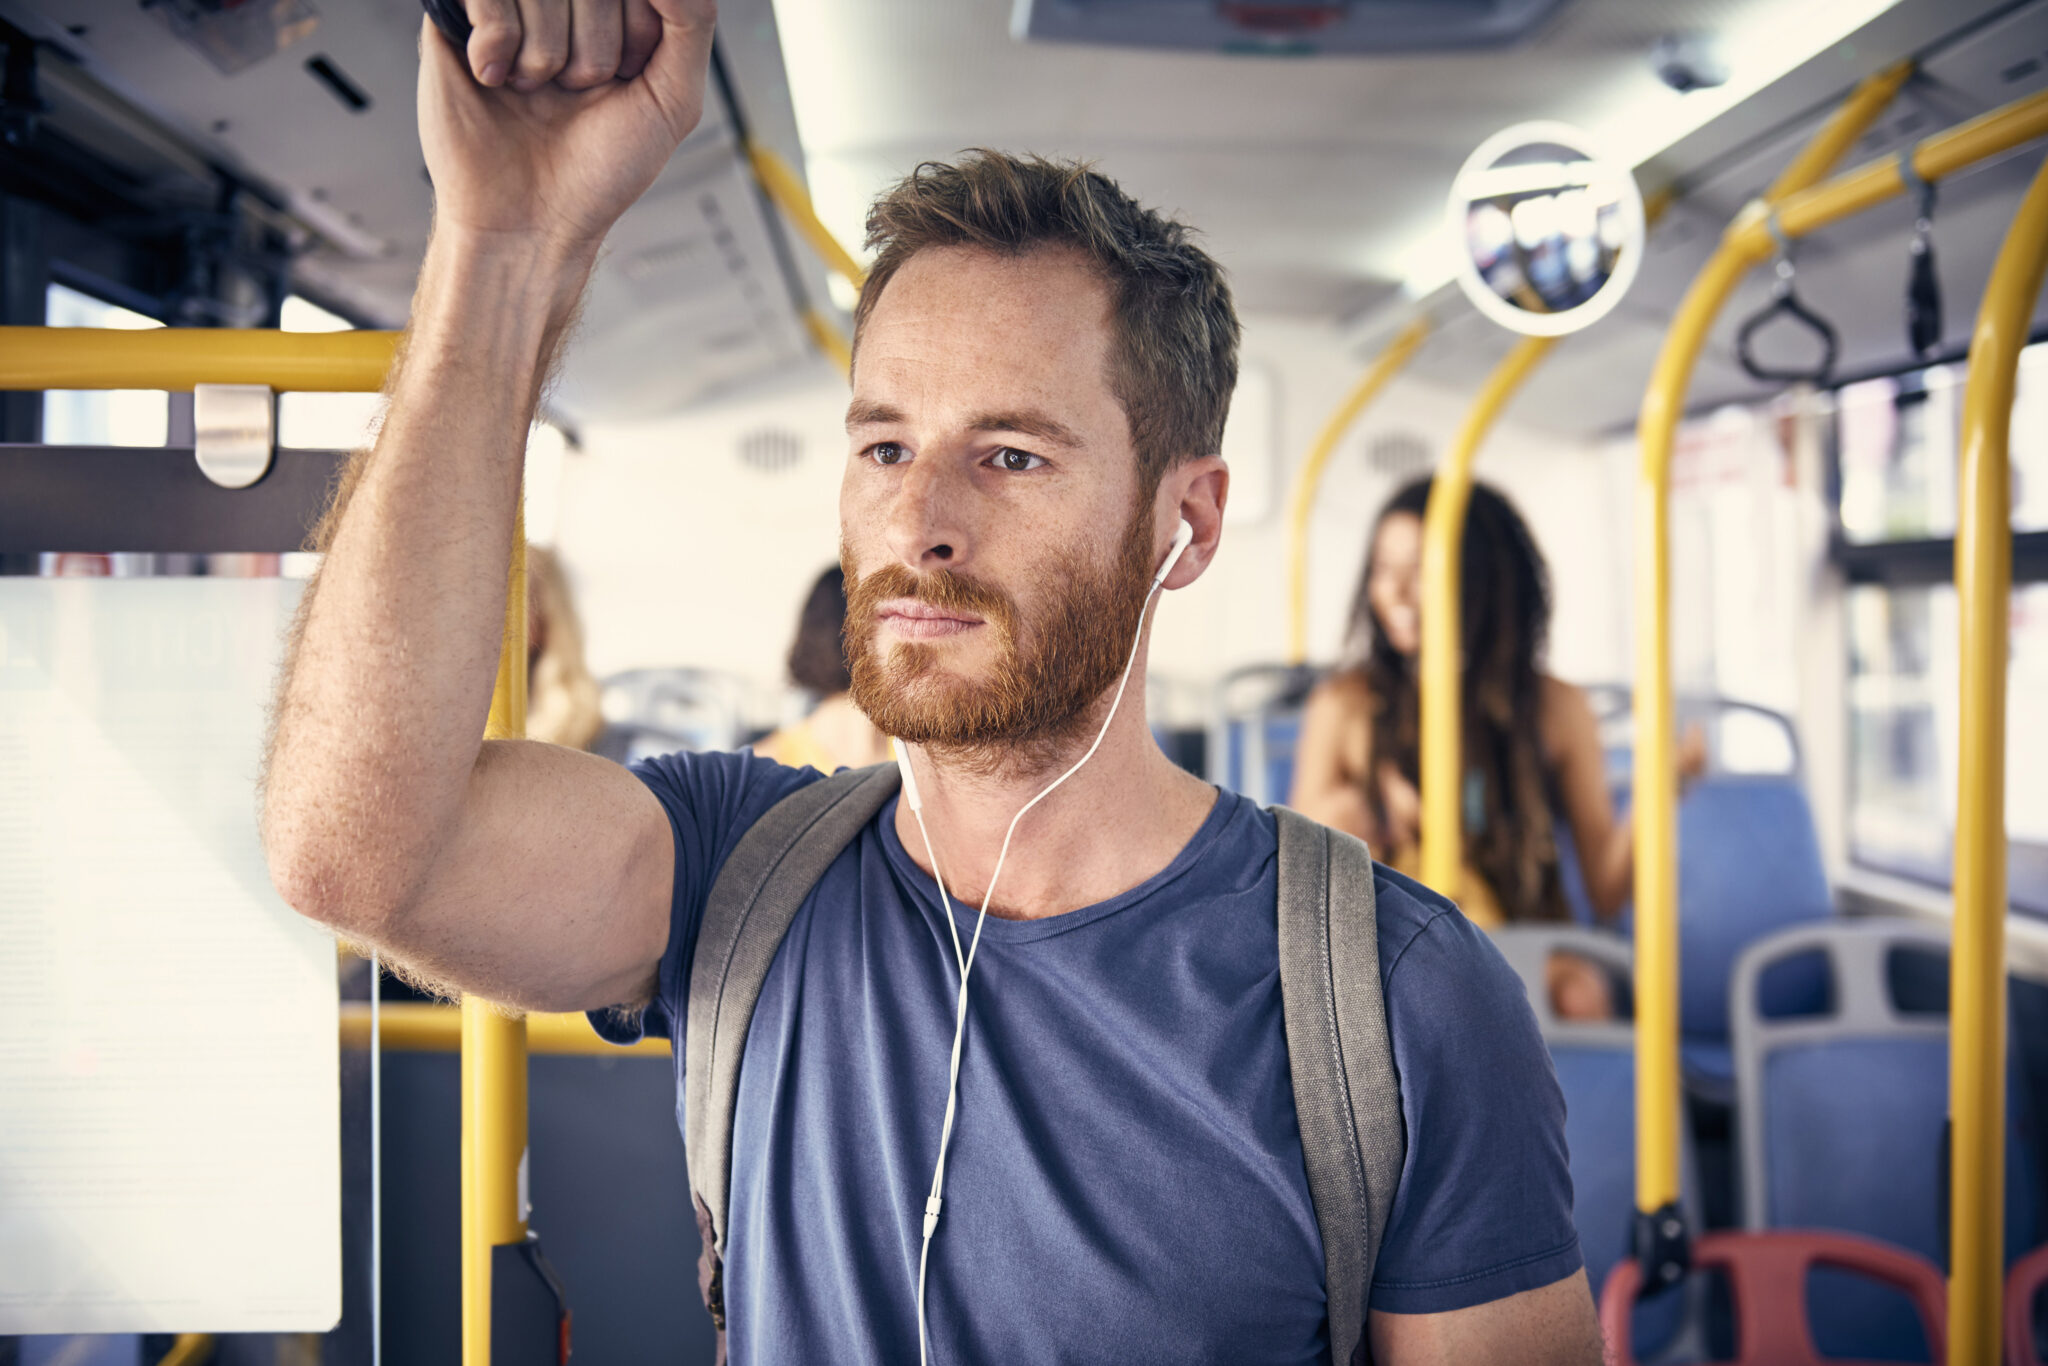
<point x="996" y="545"/>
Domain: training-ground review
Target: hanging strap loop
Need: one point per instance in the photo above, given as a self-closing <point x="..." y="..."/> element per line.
<point x="1923" y="282"/>
<point x="1785" y="303"/>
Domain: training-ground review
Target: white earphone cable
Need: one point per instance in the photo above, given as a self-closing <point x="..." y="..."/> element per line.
<point x="936" y="1199"/>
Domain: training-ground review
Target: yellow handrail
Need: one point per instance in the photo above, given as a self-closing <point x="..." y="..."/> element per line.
<point x="1976" y="1066"/>
<point x="825" y="334"/>
<point x="321" y="362"/>
<point x="418" y="1027"/>
<point x="788" y="193"/>
<point x="189" y="1349"/>
<point x="1443" y="546"/>
<point x="1302" y="502"/>
<point x="1443" y="541"/>
<point x="1656" y="761"/>
<point x="494" y="1044"/>
<point x="180" y="357"/>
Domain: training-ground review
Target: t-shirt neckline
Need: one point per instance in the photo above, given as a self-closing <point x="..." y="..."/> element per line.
<point x="1221" y="812"/>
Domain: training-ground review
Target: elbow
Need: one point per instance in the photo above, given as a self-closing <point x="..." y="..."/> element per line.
<point x="322" y="879"/>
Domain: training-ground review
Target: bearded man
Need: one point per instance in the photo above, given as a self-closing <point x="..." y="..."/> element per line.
<point x="1041" y="375"/>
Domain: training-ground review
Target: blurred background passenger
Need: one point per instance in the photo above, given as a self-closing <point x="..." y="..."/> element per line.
<point x="836" y="734"/>
<point x="562" y="698"/>
<point x="1531" y="743"/>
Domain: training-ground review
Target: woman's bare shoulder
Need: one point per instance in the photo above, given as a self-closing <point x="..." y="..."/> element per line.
<point x="1564" y="712"/>
<point x="1342" y="690"/>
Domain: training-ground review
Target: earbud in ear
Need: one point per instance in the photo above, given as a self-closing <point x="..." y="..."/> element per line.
<point x="1182" y="538"/>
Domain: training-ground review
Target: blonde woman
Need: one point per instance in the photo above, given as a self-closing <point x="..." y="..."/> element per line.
<point x="561" y="696"/>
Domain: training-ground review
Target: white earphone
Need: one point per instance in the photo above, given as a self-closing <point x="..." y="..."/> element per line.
<point x="1183" y="536"/>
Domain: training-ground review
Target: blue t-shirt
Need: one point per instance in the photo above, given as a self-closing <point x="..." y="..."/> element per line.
<point x="1126" y="1180"/>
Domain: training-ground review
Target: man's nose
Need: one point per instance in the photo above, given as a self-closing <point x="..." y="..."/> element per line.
<point x="926" y="527"/>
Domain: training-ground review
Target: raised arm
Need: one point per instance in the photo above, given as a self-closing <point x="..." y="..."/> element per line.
<point x="1332" y="757"/>
<point x="524" y="872"/>
<point x="1606" y="842"/>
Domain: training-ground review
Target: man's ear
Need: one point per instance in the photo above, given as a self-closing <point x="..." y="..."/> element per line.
<point x="1194" y="492"/>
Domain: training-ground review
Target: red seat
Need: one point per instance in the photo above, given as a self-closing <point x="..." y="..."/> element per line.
<point x="1767" y="1281"/>
<point x="2028" y="1279"/>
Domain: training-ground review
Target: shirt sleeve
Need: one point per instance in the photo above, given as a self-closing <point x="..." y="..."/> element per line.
<point x="1484" y="1208"/>
<point x="712" y="800"/>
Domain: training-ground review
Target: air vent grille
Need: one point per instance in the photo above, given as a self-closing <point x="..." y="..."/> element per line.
<point x="771" y="450"/>
<point x="1398" y="455"/>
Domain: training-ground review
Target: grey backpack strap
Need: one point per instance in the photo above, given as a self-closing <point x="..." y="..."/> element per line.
<point x="1347" y="1099"/>
<point x="752" y="902"/>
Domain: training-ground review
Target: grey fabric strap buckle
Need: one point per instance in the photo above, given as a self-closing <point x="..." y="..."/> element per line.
<point x="1347" y="1099"/>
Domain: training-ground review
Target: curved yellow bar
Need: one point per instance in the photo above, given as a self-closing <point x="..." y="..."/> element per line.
<point x="494" y="1044"/>
<point x="1302" y="502"/>
<point x="1976" y="1067"/>
<point x="789" y="195"/>
<point x="827" y="337"/>
<point x="417" y="1027"/>
<point x="1656" y="722"/>
<point x="180" y="357"/>
<point x="1443" y="546"/>
<point x="1443" y="542"/>
<point x="190" y="1349"/>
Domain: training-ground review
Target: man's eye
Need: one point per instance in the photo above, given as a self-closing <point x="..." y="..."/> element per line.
<point x="887" y="453"/>
<point x="1016" y="461"/>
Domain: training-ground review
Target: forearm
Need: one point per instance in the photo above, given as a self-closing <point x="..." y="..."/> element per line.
<point x="381" y="709"/>
<point x="1611" y="869"/>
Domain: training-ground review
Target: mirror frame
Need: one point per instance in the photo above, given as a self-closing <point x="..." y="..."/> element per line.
<point x="1634" y="228"/>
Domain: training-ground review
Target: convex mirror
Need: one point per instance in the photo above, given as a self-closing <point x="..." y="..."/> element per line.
<point x="1549" y="234"/>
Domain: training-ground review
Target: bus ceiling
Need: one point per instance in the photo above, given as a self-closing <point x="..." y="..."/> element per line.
<point x="297" y="136"/>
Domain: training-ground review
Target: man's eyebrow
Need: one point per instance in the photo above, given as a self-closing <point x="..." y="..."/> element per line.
<point x="1026" y="421"/>
<point x="868" y="413"/>
<point x="1030" y="422"/>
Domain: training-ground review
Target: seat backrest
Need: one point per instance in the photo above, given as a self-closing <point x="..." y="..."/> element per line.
<point x="1842" y="1114"/>
<point x="669" y="709"/>
<point x="1768" y="1277"/>
<point x="1595" y="1064"/>
<point x="1255" y="723"/>
<point x="1749" y="864"/>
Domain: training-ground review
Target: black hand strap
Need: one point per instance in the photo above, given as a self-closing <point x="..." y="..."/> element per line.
<point x="1785" y="303"/>
<point x="1923" y="282"/>
<point x="451" y="18"/>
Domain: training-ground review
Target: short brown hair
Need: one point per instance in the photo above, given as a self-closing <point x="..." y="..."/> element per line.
<point x="817" y="657"/>
<point x="1174" y="356"/>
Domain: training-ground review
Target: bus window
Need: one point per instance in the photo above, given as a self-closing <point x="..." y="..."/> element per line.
<point x="1903" y="734"/>
<point x="112" y="417"/>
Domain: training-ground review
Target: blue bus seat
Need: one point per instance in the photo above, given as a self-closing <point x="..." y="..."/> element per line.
<point x="1749" y="864"/>
<point x="1595" y="1065"/>
<point x="1254" y="728"/>
<point x="1841" y="1113"/>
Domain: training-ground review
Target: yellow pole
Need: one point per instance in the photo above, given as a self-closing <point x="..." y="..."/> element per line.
<point x="1302" y="502"/>
<point x="189" y="1349"/>
<point x="494" y="1045"/>
<point x="1443" y="541"/>
<point x="1656" y="760"/>
<point x="1976" y="1066"/>
<point x="1443" y="546"/>
<point x="825" y="334"/>
<point x="179" y="357"/>
<point x="789" y="195"/>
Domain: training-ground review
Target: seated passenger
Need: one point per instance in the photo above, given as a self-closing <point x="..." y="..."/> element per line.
<point x="836" y="734"/>
<point x="1531" y="744"/>
<point x="562" y="699"/>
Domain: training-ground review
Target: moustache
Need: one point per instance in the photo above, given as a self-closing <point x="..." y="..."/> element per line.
<point x="940" y="588"/>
